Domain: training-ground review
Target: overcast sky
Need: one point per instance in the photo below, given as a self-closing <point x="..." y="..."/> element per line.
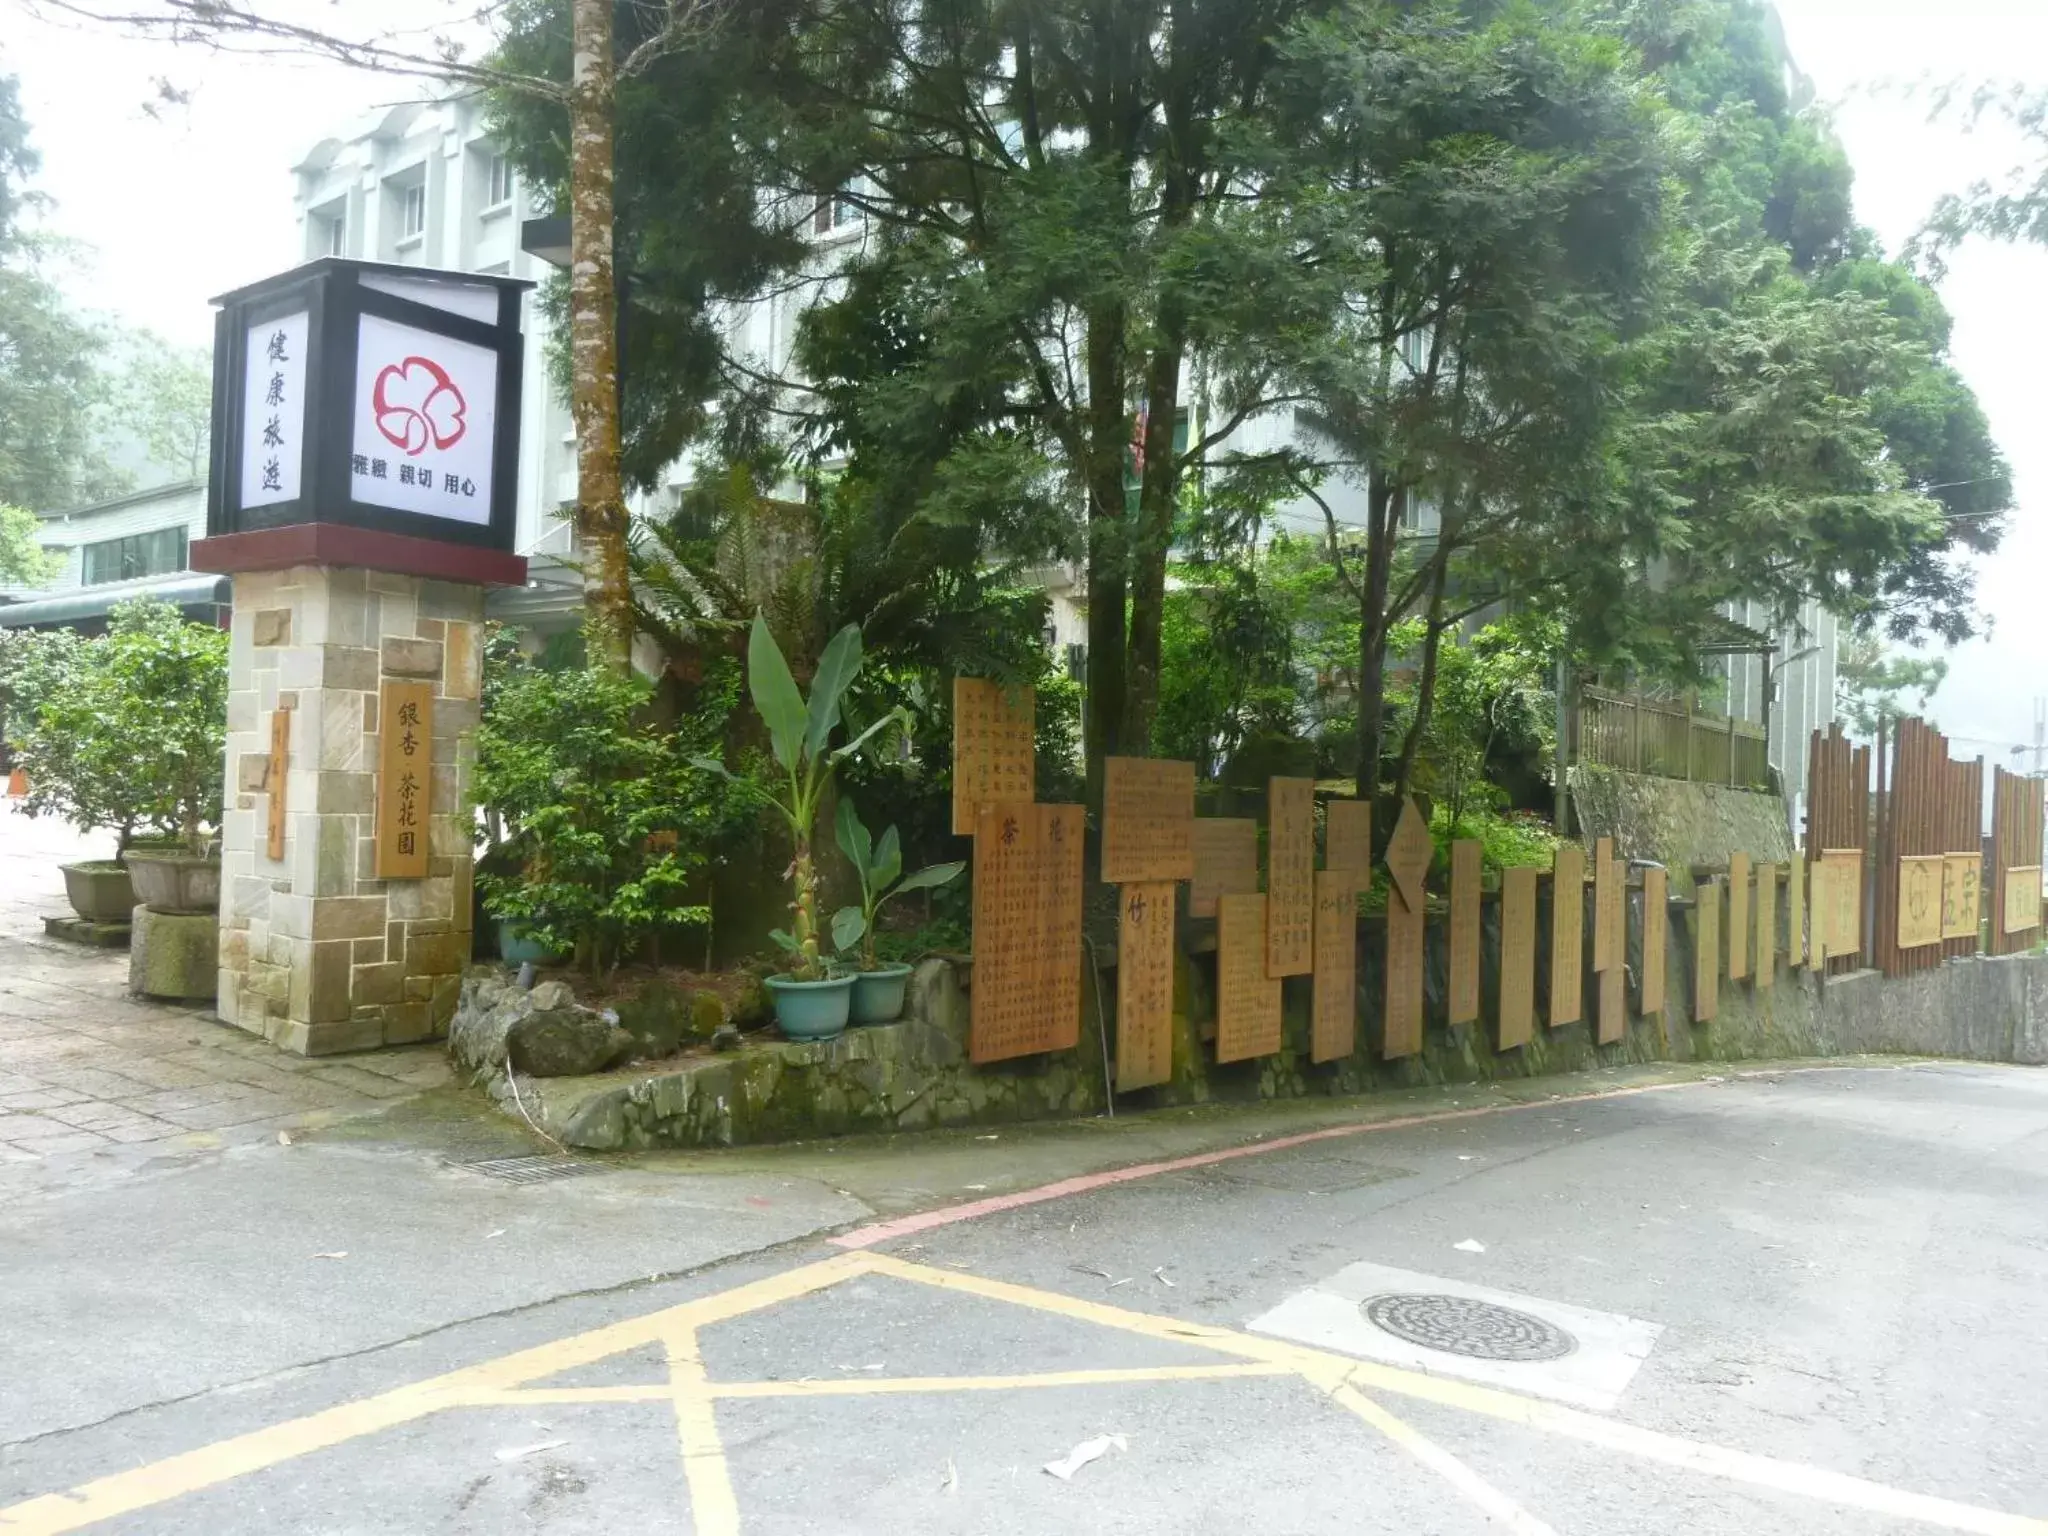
<point x="183" y="206"/>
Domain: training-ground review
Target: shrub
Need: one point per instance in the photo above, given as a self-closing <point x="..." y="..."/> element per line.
<point x="605" y="823"/>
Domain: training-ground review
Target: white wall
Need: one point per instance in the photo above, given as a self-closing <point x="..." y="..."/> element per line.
<point x="169" y="506"/>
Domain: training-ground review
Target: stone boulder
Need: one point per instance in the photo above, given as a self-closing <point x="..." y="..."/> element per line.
<point x="542" y="1033"/>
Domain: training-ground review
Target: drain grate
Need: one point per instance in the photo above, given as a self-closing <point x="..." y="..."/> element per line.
<point x="1458" y="1325"/>
<point x="541" y="1168"/>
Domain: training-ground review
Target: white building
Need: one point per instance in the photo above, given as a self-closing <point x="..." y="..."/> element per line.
<point x="131" y="546"/>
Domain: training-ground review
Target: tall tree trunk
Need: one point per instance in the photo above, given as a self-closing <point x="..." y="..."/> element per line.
<point x="1382" y="508"/>
<point x="601" y="522"/>
<point x="1425" y="684"/>
<point x="1152" y="539"/>
<point x="1108" y="538"/>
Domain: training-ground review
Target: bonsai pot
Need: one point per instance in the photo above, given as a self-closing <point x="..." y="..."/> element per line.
<point x="100" y="890"/>
<point x="878" y="994"/>
<point x="175" y="881"/>
<point x="517" y="947"/>
<point x="811" y="1010"/>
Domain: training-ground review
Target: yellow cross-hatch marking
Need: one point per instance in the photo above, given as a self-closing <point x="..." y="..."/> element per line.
<point x="692" y="1395"/>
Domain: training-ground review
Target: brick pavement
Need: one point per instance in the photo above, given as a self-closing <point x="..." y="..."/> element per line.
<point x="85" y="1068"/>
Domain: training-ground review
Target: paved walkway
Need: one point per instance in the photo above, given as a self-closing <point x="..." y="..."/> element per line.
<point x="85" y="1068"/>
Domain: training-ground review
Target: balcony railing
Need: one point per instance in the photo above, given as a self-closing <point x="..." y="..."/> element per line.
<point x="1669" y="738"/>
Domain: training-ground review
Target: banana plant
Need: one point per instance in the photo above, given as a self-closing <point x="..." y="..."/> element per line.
<point x="880" y="866"/>
<point x="799" y="737"/>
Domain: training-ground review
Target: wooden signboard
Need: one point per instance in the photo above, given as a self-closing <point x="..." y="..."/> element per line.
<point x="1026" y="995"/>
<point x="1247" y="999"/>
<point x="1567" y="935"/>
<point x="1841" y="921"/>
<point x="1290" y="877"/>
<point x="1795" y="911"/>
<point x="1920" y="900"/>
<point x="1656" y="929"/>
<point x="1738" y="916"/>
<point x="1611" y="1026"/>
<point x="2022" y="898"/>
<point x="1408" y="854"/>
<point x="1606" y="891"/>
<point x="1403" y="1026"/>
<point x="274" y="778"/>
<point x="1144" y="985"/>
<point x="1517" y="956"/>
<point x="1148" y="819"/>
<point x="994" y="762"/>
<point x="1706" y="954"/>
<point x="1334" y="1030"/>
<point x="1465" y="876"/>
<point x="1226" y="853"/>
<point x="405" y="776"/>
<point x="1347" y="837"/>
<point x="1962" y="878"/>
<point x="1766" y="925"/>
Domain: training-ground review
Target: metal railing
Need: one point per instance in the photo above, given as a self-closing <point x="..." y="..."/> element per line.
<point x="1669" y="738"/>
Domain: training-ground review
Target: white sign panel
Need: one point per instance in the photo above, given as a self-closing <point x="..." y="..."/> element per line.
<point x="274" y="410"/>
<point x="426" y="411"/>
<point x="478" y="301"/>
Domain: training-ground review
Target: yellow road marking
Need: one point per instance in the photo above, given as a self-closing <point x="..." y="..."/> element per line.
<point x="714" y="1511"/>
<point x="1489" y="1499"/>
<point x="892" y="1384"/>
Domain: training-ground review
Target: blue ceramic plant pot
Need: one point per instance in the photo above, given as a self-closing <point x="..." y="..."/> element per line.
<point x="811" y="1010"/>
<point x="516" y="948"/>
<point x="878" y="994"/>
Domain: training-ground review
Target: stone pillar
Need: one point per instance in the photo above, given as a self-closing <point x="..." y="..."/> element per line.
<point x="316" y="953"/>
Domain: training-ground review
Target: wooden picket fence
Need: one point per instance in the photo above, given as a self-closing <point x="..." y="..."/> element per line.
<point x="1669" y="739"/>
<point x="1928" y="806"/>
<point x="2016" y="838"/>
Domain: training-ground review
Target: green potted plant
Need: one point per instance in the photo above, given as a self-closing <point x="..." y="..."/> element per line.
<point x="811" y="1001"/>
<point x="877" y="988"/>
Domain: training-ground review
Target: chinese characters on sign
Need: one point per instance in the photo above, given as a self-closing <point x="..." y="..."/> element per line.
<point x="1610" y="883"/>
<point x="1290" y="876"/>
<point x="1247" y="999"/>
<point x="1517" y="955"/>
<point x="1961" y="876"/>
<point x="405" y="772"/>
<point x="1466" y="860"/>
<point x="1144" y="985"/>
<point x="1334" y="1029"/>
<point x="992" y="748"/>
<point x="1838" y="917"/>
<point x="425" y="422"/>
<point x="1656" y="927"/>
<point x="1567" y="935"/>
<point x="1404" y="976"/>
<point x="1026" y="995"/>
<point x="1706" y="953"/>
<point x="273" y="780"/>
<point x="2022" y="898"/>
<point x="1148" y="816"/>
<point x="273" y="410"/>
<point x="1226" y="850"/>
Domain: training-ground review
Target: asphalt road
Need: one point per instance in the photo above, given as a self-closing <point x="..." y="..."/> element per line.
<point x="1798" y="1302"/>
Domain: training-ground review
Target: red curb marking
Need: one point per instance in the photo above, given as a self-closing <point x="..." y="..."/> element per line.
<point x="945" y="1216"/>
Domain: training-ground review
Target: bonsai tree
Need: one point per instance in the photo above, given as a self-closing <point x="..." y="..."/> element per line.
<point x="799" y="738"/>
<point x="880" y="867"/>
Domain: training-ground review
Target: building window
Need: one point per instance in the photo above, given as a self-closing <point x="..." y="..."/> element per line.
<point x="497" y="181"/>
<point x="835" y="213"/>
<point x="161" y="553"/>
<point x="412" y="211"/>
<point x="334" y="237"/>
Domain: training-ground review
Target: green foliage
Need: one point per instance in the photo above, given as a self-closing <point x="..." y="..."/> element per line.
<point x="1507" y="840"/>
<point x="23" y="560"/>
<point x="162" y="395"/>
<point x="879" y="867"/>
<point x="607" y="826"/>
<point x="1873" y="685"/>
<point x="127" y="730"/>
<point x="1492" y="715"/>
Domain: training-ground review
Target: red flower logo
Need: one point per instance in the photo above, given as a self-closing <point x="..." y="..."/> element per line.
<point x="418" y="406"/>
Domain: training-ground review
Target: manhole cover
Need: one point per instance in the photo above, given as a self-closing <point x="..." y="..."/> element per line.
<point x="539" y="1169"/>
<point x="1459" y="1325"/>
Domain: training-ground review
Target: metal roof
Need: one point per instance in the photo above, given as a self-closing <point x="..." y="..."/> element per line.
<point x="188" y="589"/>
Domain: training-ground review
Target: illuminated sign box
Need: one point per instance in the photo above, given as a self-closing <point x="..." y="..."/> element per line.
<point x="366" y="414"/>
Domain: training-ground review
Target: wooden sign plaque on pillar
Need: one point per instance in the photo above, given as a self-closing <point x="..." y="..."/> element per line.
<point x="1656" y="929"/>
<point x="994" y="760"/>
<point x="1247" y="999"/>
<point x="405" y="775"/>
<point x="1144" y="985"/>
<point x="1706" y="954"/>
<point x="2022" y="898"/>
<point x="1290" y="876"/>
<point x="1843" y="912"/>
<point x="1961" y="892"/>
<point x="1766" y="925"/>
<point x="1226" y="853"/>
<point x="1403" y="1024"/>
<point x="1148" y="819"/>
<point x="1347" y="837"/>
<point x="274" y="779"/>
<point x="1567" y="935"/>
<point x="1334" y="1029"/>
<point x="1920" y="900"/>
<point x="1517" y="956"/>
<point x="1026" y="995"/>
<point x="1464" y="957"/>
<point x="1738" y="916"/>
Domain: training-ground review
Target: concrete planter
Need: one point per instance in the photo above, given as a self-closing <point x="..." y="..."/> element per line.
<point x="100" y="890"/>
<point x="811" y="1010"/>
<point x="175" y="882"/>
<point x="878" y="994"/>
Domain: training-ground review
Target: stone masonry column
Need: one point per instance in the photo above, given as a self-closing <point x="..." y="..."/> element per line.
<point x="316" y="953"/>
